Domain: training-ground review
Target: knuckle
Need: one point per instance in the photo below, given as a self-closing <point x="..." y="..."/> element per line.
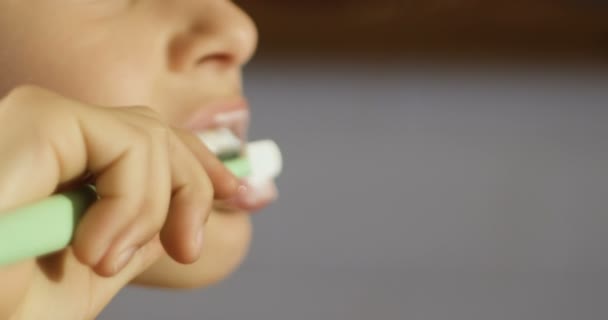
<point x="23" y="113"/>
<point x="141" y="145"/>
<point x="17" y="100"/>
<point x="139" y="140"/>
<point x="35" y="105"/>
<point x="160" y="133"/>
<point x="151" y="125"/>
<point x="23" y="93"/>
<point x="156" y="136"/>
<point x="145" y="111"/>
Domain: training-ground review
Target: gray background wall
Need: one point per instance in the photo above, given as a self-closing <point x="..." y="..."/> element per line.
<point x="420" y="191"/>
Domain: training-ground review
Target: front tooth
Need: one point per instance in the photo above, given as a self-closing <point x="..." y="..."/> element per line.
<point x="221" y="141"/>
<point x="227" y="118"/>
<point x="237" y="121"/>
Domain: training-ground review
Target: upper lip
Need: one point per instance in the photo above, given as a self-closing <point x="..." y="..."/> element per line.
<point x="231" y="113"/>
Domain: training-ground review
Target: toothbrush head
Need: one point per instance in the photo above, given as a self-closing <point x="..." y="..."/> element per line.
<point x="261" y="160"/>
<point x="265" y="159"/>
<point x="223" y="142"/>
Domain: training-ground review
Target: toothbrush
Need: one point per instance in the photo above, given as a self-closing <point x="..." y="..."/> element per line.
<point x="48" y="226"/>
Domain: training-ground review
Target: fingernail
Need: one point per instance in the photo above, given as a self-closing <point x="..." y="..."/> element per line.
<point x="241" y="192"/>
<point x="254" y="195"/>
<point x="123" y="259"/>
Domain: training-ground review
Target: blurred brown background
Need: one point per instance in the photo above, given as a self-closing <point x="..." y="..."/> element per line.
<point x="432" y="27"/>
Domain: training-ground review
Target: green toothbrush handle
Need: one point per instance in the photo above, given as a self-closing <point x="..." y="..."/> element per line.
<point x="48" y="226"/>
<point x="43" y="227"/>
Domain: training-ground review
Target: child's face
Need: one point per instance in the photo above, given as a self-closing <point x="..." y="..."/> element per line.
<point x="176" y="56"/>
<point x="180" y="57"/>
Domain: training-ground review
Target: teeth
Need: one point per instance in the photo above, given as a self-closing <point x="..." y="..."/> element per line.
<point x="231" y="117"/>
<point x="236" y="121"/>
<point x="230" y="133"/>
<point x="221" y="141"/>
<point x="260" y="161"/>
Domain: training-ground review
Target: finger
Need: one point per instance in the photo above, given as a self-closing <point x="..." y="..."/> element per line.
<point x="192" y="196"/>
<point x="225" y="184"/>
<point x="53" y="140"/>
<point x="119" y="148"/>
<point x="152" y="213"/>
<point x="120" y="200"/>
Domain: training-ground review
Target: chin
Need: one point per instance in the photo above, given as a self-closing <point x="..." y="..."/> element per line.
<point x="226" y="245"/>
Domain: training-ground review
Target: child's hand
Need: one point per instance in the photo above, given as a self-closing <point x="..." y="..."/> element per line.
<point x="151" y="178"/>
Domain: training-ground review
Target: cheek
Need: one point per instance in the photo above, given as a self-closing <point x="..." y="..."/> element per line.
<point x="98" y="81"/>
<point x="95" y="81"/>
<point x="106" y="84"/>
<point x="227" y="243"/>
<point x="103" y="71"/>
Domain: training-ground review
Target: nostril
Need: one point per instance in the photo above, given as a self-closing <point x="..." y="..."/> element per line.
<point x="216" y="58"/>
<point x="219" y="36"/>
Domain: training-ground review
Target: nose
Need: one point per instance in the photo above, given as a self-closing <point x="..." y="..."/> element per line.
<point x="217" y="33"/>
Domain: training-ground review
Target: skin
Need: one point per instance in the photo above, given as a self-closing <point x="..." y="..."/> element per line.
<point x="94" y="72"/>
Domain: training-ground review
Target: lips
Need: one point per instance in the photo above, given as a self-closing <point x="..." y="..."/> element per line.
<point x="252" y="195"/>
<point x="232" y="114"/>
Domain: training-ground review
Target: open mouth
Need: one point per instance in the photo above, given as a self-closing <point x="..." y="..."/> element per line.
<point x="236" y="121"/>
<point x="226" y="136"/>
